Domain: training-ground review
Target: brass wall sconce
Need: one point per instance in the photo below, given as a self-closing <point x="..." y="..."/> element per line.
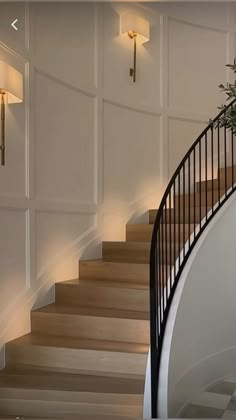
<point x="11" y="91"/>
<point x="137" y="28"/>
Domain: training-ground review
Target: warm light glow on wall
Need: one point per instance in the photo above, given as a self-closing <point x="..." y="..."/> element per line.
<point x="11" y="91"/>
<point x="132" y="24"/>
<point x="11" y="82"/>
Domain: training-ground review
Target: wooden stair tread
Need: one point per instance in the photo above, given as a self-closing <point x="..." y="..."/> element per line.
<point x="132" y="251"/>
<point x="75" y="417"/>
<point x="149" y="226"/>
<point x="104" y="283"/>
<point x="204" y="198"/>
<point x="92" y="311"/>
<point x="33" y="378"/>
<point x="145" y="226"/>
<point x="221" y="171"/>
<point x="199" y="214"/>
<point x="99" y="269"/>
<point x="143" y="232"/>
<point x="78" y="343"/>
<point x="101" y="261"/>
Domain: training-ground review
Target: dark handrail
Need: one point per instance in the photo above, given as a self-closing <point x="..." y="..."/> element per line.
<point x="184" y="217"/>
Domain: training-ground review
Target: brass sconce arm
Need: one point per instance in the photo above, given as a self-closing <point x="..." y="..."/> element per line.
<point x="132" y="70"/>
<point x="135" y="27"/>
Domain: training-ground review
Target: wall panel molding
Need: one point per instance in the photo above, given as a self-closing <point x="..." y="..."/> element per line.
<point x="65" y="144"/>
<point x="87" y="92"/>
<point x="48" y="204"/>
<point x="133" y="108"/>
<point x="196" y="25"/>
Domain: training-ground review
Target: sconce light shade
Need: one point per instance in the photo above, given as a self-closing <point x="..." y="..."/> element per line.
<point x="11" y="83"/>
<point x="11" y="91"/>
<point x="135" y="24"/>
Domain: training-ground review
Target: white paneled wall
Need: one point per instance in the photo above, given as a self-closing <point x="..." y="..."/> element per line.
<point x="88" y="149"/>
<point x="196" y="55"/>
<point x="180" y="137"/>
<point x="70" y="133"/>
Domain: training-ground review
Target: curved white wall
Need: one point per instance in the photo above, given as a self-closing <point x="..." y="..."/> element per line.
<point x="200" y="345"/>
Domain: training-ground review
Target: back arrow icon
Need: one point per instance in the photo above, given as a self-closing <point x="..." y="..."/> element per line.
<point x="13" y="24"/>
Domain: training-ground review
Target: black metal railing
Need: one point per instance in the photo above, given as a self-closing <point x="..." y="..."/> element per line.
<point x="199" y="187"/>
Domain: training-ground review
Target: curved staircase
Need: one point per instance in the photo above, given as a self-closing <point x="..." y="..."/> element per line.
<point x="86" y="354"/>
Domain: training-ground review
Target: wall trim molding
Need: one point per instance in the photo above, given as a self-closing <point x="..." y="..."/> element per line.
<point x="15" y="54"/>
<point x="90" y="92"/>
<point x="47" y="204"/>
<point x="64" y="206"/>
<point x="133" y="108"/>
<point x="196" y="25"/>
<point x="225" y="28"/>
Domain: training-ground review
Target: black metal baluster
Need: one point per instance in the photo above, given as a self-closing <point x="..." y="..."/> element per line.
<point x="179" y="250"/>
<point x="160" y="277"/>
<point x="170" y="245"/>
<point x="155" y="334"/>
<point x="194" y="191"/>
<point x="232" y="151"/>
<point x="206" y="192"/>
<point x="162" y="262"/>
<point x="225" y="152"/>
<point x="218" y="151"/>
<point x="183" y="204"/>
<point x="157" y="286"/>
<point x="174" y="233"/>
<point x="189" y="208"/>
<point x="200" y="183"/>
<point x="212" y="170"/>
<point x="166" y="254"/>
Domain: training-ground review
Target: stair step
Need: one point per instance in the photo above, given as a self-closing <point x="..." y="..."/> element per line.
<point x="126" y="251"/>
<point x="221" y="174"/>
<point x="30" y="391"/>
<point x="114" y="271"/>
<point x="205" y="198"/>
<point x="77" y="354"/>
<point x="217" y="184"/>
<point x="94" y="323"/>
<point x="103" y="294"/>
<point x="137" y="251"/>
<point x="143" y="232"/>
<point x="174" y="216"/>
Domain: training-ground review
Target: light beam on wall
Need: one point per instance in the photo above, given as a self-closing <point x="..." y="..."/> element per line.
<point x="11" y="91"/>
<point x="137" y="28"/>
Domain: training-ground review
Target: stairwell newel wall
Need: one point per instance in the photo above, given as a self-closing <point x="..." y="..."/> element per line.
<point x="89" y="150"/>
